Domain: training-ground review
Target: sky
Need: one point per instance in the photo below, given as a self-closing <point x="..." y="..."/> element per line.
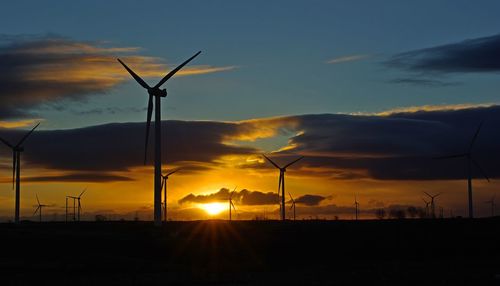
<point x="369" y="92"/>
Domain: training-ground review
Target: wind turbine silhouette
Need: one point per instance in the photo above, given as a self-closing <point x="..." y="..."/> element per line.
<point x="293" y="205"/>
<point x="16" y="168"/>
<point x="231" y="205"/>
<point x="281" y="183"/>
<point x="433" y="206"/>
<point x="157" y="93"/>
<point x="426" y="207"/>
<point x="163" y="186"/>
<point x="470" y="161"/>
<point x="75" y="199"/>
<point x="356" y="205"/>
<point x="39" y="208"/>
<point x="493" y="205"/>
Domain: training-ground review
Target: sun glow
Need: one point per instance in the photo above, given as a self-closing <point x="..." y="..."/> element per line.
<point x="213" y="208"/>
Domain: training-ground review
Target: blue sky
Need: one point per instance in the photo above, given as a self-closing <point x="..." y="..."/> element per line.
<point x="280" y="51"/>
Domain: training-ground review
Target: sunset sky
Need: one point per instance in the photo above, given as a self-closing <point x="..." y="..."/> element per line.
<point x="369" y="92"/>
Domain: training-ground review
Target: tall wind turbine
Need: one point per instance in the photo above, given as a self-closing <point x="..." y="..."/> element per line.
<point x="433" y="206"/>
<point x="157" y="93"/>
<point x="281" y="183"/>
<point x="16" y="168"/>
<point x="470" y="161"/>
<point x="231" y="204"/>
<point x="356" y="205"/>
<point x="163" y="186"/>
<point x="75" y="200"/>
<point x="492" y="204"/>
<point x="292" y="206"/>
<point x="39" y="208"/>
<point x="426" y="207"/>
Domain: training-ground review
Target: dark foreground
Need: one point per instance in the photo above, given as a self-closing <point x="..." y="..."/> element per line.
<point x="409" y="252"/>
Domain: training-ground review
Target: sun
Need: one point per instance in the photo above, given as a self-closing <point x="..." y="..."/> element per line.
<point x="213" y="208"/>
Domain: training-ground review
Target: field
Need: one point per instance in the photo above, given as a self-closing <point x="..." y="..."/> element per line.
<point x="390" y="252"/>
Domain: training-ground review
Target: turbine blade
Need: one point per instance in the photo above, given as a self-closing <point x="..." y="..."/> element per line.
<point x="38" y="201"/>
<point x="174" y="71"/>
<point x="475" y="135"/>
<point x="135" y="76"/>
<point x="427" y="194"/>
<point x="82" y="193"/>
<point x="480" y="169"/>
<point x="271" y="161"/>
<point x="293" y="162"/>
<point x="234" y="208"/>
<point x="291" y="198"/>
<point x="279" y="184"/>
<point x="26" y="136"/>
<point x="451" y="156"/>
<point x="162" y="182"/>
<point x="6" y="142"/>
<point x="36" y="210"/>
<point x="172" y="172"/>
<point x="148" y="124"/>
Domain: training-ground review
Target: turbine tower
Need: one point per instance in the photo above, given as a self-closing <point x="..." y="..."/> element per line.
<point x="39" y="208"/>
<point x="426" y="207"/>
<point x="281" y="184"/>
<point x="433" y="206"/>
<point x="470" y="162"/>
<point x="16" y="168"/>
<point x="492" y="204"/>
<point x="293" y="206"/>
<point x="356" y="205"/>
<point x="163" y="186"/>
<point x="157" y="93"/>
<point x="231" y="205"/>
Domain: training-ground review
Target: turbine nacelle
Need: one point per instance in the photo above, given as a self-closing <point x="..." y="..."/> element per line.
<point x="157" y="92"/>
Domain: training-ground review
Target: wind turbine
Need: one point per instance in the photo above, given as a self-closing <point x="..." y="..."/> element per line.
<point x="16" y="168"/>
<point x="426" y="207"/>
<point x="163" y="186"/>
<point x="470" y="161"/>
<point x="433" y="206"/>
<point x="281" y="183"/>
<point x="356" y="204"/>
<point x="493" y="205"/>
<point x="231" y="205"/>
<point x="293" y="205"/>
<point x="75" y="199"/>
<point x="39" y="208"/>
<point x="157" y="93"/>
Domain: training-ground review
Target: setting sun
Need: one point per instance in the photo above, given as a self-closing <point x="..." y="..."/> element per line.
<point x="213" y="208"/>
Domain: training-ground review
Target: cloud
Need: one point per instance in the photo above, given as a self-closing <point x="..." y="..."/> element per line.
<point x="472" y="55"/>
<point x="243" y="197"/>
<point x="41" y="70"/>
<point x="345" y="59"/>
<point x="423" y="82"/>
<point x="79" y="177"/>
<point x="309" y="200"/>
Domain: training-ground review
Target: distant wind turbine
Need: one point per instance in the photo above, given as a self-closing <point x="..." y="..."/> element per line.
<point x="292" y="206"/>
<point x="281" y="183"/>
<point x="16" y="168"/>
<point x="39" y="208"/>
<point x="356" y="205"/>
<point x="75" y="199"/>
<point x="492" y="204"/>
<point x="157" y="93"/>
<point x="426" y="207"/>
<point x="433" y="206"/>
<point x="163" y="186"/>
<point x="470" y="161"/>
<point x="231" y="204"/>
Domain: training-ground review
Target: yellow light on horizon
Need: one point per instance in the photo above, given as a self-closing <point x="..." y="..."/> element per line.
<point x="213" y="208"/>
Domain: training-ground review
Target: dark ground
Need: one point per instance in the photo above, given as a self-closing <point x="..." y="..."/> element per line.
<point x="406" y="252"/>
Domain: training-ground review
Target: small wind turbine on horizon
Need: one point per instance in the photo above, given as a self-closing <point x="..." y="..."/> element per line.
<point x="157" y="93"/>
<point x="39" y="208"/>
<point x="231" y="204"/>
<point x="16" y="168"/>
<point x="281" y="183"/>
<point x="356" y="205"/>
<point x="492" y="204"/>
<point x="470" y="161"/>
<point x="426" y="207"/>
<point x="79" y="206"/>
<point x="433" y="206"/>
<point x="293" y="206"/>
<point x="163" y="186"/>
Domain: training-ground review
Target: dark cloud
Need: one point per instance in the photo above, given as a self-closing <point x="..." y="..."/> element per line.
<point x="309" y="200"/>
<point x="423" y="82"/>
<point x="473" y="55"/>
<point x="79" y="177"/>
